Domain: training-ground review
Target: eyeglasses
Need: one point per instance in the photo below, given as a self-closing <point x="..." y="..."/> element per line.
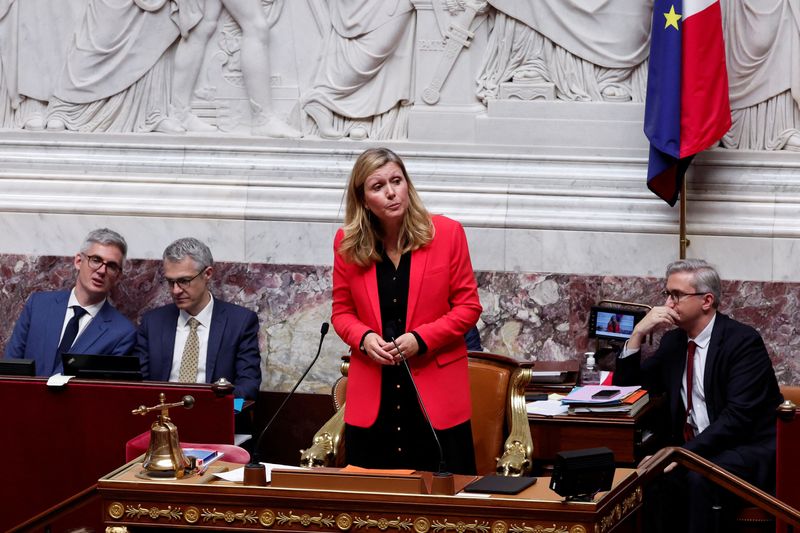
<point x="96" y="262"/>
<point x="677" y="296"/>
<point x="181" y="282"/>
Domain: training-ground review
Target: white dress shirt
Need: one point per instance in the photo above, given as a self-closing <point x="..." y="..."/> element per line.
<point x="182" y="333"/>
<point x="91" y="312"/>
<point x="698" y="418"/>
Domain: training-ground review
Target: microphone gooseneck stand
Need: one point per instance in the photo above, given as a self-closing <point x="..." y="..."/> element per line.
<point x="254" y="471"/>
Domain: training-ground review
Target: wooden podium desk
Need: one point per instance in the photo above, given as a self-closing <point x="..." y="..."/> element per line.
<point x="59" y="440"/>
<point x="629" y="437"/>
<point x="135" y="504"/>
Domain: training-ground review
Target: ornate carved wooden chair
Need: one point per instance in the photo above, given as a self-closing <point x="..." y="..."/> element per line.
<point x="500" y="430"/>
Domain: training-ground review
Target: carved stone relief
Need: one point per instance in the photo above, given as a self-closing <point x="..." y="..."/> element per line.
<point x="363" y="80"/>
<point x="422" y="70"/>
<point x="762" y="39"/>
<point x="567" y="50"/>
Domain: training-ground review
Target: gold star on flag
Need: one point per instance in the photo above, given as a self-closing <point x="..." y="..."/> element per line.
<point x="672" y="18"/>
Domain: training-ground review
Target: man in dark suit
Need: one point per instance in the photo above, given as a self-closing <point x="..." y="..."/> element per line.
<point x="198" y="338"/>
<point x="80" y="320"/>
<point x="720" y="390"/>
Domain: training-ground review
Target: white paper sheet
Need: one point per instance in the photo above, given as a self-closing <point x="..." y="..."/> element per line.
<point x="547" y="408"/>
<point x="237" y="475"/>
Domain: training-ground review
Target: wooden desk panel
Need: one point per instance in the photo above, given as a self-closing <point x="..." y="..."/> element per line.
<point x="141" y="504"/>
<point x="630" y="438"/>
<point x="61" y="439"/>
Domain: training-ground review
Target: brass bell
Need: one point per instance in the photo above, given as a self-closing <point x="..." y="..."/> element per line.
<point x="164" y="457"/>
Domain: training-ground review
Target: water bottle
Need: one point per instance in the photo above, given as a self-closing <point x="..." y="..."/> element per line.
<point x="590" y="375"/>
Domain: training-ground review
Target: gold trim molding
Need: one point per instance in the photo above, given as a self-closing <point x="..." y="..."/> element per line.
<point x="620" y="511"/>
<point x="116" y="510"/>
<point x="170" y="513"/>
<point x="267" y="518"/>
<point x="461" y="527"/>
<point x="554" y="528"/>
<point x="344" y="521"/>
<point x="383" y="523"/>
<point x="306" y="520"/>
<point x="422" y="525"/>
<point x="245" y="517"/>
<point x="499" y="526"/>
<point x="191" y="515"/>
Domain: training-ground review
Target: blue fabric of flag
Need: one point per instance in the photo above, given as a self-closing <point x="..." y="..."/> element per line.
<point x="662" y="116"/>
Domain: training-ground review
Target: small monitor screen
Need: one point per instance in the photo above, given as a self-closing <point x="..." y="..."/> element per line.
<point x="17" y="367"/>
<point x="612" y="323"/>
<point x="91" y="366"/>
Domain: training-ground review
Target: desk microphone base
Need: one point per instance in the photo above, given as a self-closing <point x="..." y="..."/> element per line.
<point x="443" y="484"/>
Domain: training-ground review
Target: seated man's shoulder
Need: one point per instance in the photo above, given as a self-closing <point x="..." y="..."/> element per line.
<point x="735" y="328"/>
<point x="46" y="297"/>
<point x="117" y="317"/>
<point x="675" y="335"/>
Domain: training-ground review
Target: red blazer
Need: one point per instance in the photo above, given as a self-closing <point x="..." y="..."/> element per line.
<point x="443" y="305"/>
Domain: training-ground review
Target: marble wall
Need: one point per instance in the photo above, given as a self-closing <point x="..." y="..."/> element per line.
<point x="539" y="317"/>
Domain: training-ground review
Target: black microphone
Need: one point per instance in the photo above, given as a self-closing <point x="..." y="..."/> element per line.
<point x="254" y="460"/>
<point x="442" y="463"/>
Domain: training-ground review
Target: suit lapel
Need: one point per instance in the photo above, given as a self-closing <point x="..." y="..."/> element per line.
<point x="167" y="345"/>
<point x="96" y="329"/>
<point x="218" y="319"/>
<point x="370" y="278"/>
<point x="711" y="362"/>
<point x="55" y="321"/>
<point x="419" y="262"/>
<point x="676" y="378"/>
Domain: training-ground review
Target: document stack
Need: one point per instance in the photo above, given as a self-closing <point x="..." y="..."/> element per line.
<point x="606" y="400"/>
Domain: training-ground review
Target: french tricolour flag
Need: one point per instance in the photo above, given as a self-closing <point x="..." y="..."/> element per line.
<point x="687" y="108"/>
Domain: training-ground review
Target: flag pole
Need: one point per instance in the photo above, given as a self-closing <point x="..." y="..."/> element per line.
<point x="684" y="242"/>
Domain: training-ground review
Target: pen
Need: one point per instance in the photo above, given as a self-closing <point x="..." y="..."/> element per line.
<point x="209" y="474"/>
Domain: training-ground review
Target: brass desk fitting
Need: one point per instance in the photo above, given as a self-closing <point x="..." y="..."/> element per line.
<point x="165" y="458"/>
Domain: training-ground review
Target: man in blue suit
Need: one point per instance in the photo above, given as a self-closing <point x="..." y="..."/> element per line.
<point x="80" y="320"/>
<point x="198" y="338"/>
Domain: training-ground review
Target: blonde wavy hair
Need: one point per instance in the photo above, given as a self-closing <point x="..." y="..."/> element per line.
<point x="362" y="230"/>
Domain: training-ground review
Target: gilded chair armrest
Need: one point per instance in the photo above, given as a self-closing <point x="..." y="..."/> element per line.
<point x="518" y="449"/>
<point x="324" y="448"/>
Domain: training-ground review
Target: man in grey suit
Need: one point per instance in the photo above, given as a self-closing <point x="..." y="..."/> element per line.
<point x="198" y="338"/>
<point x="81" y="320"/>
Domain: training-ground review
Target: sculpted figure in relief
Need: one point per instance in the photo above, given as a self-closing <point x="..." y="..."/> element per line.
<point x="34" y="38"/>
<point x="255" y="24"/>
<point x="762" y="39"/>
<point x="8" y="96"/>
<point x="587" y="50"/>
<point x="363" y="84"/>
<point x="117" y="75"/>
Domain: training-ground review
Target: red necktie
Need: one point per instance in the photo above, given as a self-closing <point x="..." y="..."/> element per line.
<point x="688" y="430"/>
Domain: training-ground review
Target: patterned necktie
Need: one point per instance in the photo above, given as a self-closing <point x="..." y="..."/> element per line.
<point x="191" y="354"/>
<point x="688" y="430"/>
<point x="71" y="331"/>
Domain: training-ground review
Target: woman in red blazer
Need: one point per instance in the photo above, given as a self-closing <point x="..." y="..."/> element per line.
<point x="403" y="294"/>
